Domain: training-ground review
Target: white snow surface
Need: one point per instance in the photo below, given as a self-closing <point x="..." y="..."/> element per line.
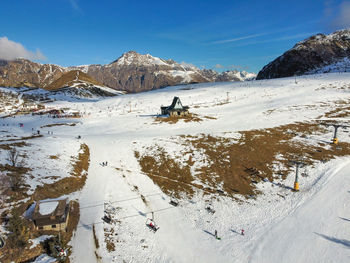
<point x="38" y="240"/>
<point x="45" y="259"/>
<point x="342" y="65"/>
<point x="280" y="225"/>
<point x="47" y="207"/>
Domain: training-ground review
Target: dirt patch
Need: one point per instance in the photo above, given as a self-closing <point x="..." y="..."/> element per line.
<point x="342" y="110"/>
<point x="109" y="234"/>
<point x="58" y="124"/>
<point x="234" y="166"/>
<point x="54" y="157"/>
<point x="173" y="120"/>
<point x="189" y="118"/>
<point x="167" y="172"/>
<point x="23" y="138"/>
<point x="11" y="145"/>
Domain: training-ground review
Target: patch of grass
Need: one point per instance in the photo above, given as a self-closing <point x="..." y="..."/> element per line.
<point x="341" y="111"/>
<point x="69" y="184"/>
<point x="23" y="138"/>
<point x="109" y="233"/>
<point x="58" y="124"/>
<point x="172" y="120"/>
<point x="167" y="173"/>
<point x="8" y="147"/>
<point x="236" y="165"/>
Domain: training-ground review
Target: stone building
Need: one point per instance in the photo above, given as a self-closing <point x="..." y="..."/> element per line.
<point x="51" y="215"/>
<point x="176" y="109"/>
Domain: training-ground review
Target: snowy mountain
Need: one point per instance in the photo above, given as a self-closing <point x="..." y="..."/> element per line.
<point x="132" y="72"/>
<point x="78" y="84"/>
<point x="317" y="54"/>
<point x="225" y="169"/>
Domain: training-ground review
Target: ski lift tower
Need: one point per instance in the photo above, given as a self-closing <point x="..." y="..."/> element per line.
<point x="336" y="127"/>
<point x="298" y="164"/>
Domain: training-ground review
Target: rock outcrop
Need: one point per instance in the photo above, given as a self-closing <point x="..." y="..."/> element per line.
<point x="309" y="56"/>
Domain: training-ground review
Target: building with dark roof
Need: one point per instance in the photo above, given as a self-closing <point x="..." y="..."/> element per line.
<point x="176" y="109"/>
<point x="51" y="215"/>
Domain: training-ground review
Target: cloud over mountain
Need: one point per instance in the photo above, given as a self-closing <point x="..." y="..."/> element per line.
<point x="10" y="50"/>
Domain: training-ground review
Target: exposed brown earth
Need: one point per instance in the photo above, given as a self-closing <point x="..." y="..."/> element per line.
<point x="237" y="164"/>
<point x="71" y="77"/>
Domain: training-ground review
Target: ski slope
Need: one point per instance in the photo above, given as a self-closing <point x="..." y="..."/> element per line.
<point x="317" y="231"/>
<point x="280" y="225"/>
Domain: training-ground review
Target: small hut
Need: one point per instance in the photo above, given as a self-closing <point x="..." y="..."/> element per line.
<point x="176" y="109"/>
<point x="51" y="215"/>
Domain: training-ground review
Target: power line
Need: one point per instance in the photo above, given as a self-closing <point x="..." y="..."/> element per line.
<point x="118" y="201"/>
<point x="135" y="215"/>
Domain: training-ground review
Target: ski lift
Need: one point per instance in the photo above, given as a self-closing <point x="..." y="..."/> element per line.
<point x="107" y="218"/>
<point x="174" y="202"/>
<point x="2" y="242"/>
<point x="304" y="173"/>
<point x="151" y="225"/>
<point x="210" y="209"/>
<point x="62" y="253"/>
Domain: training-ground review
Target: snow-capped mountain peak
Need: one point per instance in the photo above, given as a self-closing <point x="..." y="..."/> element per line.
<point x="134" y="58"/>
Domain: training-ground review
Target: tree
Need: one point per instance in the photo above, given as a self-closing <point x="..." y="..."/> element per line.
<point x="19" y="231"/>
<point x="12" y="157"/>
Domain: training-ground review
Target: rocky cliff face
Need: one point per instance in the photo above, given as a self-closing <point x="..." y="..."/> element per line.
<point x="310" y="55"/>
<point x="22" y="72"/>
<point x="132" y="72"/>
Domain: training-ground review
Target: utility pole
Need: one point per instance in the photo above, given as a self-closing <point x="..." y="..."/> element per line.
<point x="336" y="127"/>
<point x="298" y="164"/>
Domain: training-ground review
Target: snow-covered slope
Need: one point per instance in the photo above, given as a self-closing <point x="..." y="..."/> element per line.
<point x="343" y="65"/>
<point x="280" y="225"/>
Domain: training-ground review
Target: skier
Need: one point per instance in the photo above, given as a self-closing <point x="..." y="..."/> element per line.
<point x="151" y="224"/>
<point x="106" y="163"/>
<point x="216" y="234"/>
<point x="242" y="233"/>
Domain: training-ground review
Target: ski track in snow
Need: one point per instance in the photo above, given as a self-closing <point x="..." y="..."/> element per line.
<point x="308" y="226"/>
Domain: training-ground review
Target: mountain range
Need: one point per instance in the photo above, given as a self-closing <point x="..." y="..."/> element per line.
<point x="132" y="72"/>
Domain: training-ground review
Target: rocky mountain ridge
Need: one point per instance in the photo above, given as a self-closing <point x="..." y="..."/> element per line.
<point x="318" y="54"/>
<point x="132" y="72"/>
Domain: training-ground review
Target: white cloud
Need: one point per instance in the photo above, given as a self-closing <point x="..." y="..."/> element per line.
<point x="300" y="36"/>
<point x="238" y="38"/>
<point x="11" y="50"/>
<point x="218" y="66"/>
<point x="341" y="19"/>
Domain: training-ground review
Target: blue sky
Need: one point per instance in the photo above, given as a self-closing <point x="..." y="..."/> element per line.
<point x="218" y="34"/>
